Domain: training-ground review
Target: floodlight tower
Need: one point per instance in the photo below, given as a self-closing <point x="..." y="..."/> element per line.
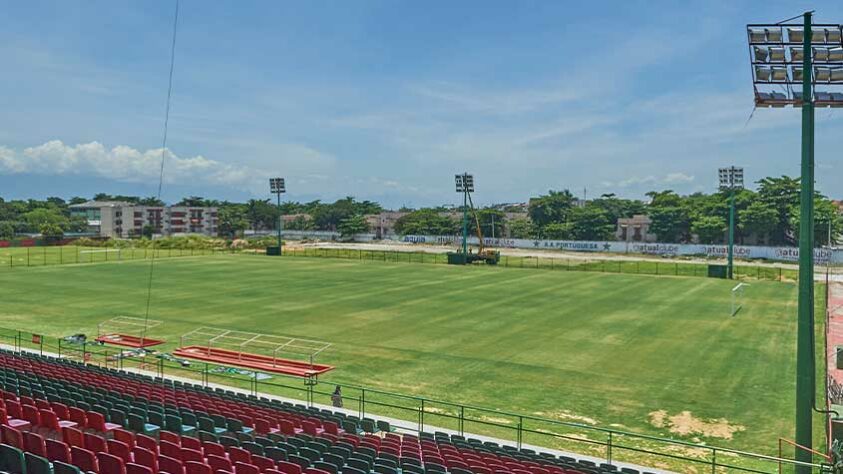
<point x="784" y="56"/>
<point x="465" y="185"/>
<point x="731" y="179"/>
<point x="277" y="187"/>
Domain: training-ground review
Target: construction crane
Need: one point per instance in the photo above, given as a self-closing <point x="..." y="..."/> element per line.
<point x="465" y="185"/>
<point x="490" y="256"/>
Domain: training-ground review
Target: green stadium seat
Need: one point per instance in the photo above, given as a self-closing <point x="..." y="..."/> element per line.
<point x="37" y="464"/>
<point x="12" y="459"/>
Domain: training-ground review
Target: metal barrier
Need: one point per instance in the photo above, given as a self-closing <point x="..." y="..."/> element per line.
<point x="636" y="267"/>
<point x="424" y="414"/>
<point x="67" y="254"/>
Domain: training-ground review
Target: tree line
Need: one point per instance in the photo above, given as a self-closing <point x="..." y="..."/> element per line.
<point x="767" y="216"/>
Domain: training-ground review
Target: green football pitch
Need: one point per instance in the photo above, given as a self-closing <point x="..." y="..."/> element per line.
<point x="656" y="355"/>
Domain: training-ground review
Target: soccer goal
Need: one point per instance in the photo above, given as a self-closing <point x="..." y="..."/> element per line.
<point x="266" y="352"/>
<point x="127" y="332"/>
<point x="737" y="298"/>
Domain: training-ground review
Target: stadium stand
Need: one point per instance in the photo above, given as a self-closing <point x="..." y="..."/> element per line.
<point x="61" y="416"/>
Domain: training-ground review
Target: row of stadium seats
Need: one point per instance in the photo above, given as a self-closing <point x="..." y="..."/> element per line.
<point x="62" y="417"/>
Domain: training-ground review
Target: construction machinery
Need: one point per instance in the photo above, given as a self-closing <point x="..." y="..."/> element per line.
<point x="465" y="185"/>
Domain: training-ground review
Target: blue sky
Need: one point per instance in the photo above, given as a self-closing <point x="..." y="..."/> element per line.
<point x="386" y="100"/>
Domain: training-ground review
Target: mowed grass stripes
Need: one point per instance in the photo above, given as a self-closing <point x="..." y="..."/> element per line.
<point x="612" y="348"/>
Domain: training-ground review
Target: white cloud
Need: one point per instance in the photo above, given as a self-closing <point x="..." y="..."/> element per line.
<point x="127" y="164"/>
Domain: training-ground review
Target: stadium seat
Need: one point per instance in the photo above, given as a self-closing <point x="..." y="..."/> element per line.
<point x="65" y="468"/>
<point x="57" y="450"/>
<point x="11" y="459"/>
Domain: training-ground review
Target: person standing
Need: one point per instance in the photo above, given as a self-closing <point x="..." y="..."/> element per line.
<point x="336" y="397"/>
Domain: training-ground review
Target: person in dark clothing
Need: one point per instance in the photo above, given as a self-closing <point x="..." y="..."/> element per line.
<point x="336" y="397"/>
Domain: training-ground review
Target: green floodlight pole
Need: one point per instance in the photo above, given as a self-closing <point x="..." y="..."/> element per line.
<point x="805" y="376"/>
<point x="278" y="187"/>
<point x="465" y="221"/>
<point x="731" y="230"/>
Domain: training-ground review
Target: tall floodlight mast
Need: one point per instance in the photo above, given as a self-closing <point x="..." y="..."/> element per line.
<point x="800" y="66"/>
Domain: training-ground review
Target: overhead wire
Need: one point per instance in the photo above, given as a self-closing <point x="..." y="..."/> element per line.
<point x="161" y="168"/>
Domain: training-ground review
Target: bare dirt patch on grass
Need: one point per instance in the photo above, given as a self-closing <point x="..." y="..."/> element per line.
<point x="686" y="424"/>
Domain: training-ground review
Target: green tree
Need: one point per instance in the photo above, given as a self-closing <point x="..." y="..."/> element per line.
<point x="670" y="223"/>
<point x="617" y="208"/>
<point x="43" y="216"/>
<point x="300" y="222"/>
<point x="556" y="231"/>
<point x="426" y="222"/>
<point x="709" y="229"/>
<point x="261" y="214"/>
<point x="781" y="194"/>
<point x="492" y="222"/>
<point x="352" y="225"/>
<point x="591" y="222"/>
<point x="51" y="232"/>
<point x="148" y="231"/>
<point x="521" y="228"/>
<point x="550" y="208"/>
<point x="758" y="219"/>
<point x="7" y="231"/>
<point x="232" y="221"/>
<point x="825" y="214"/>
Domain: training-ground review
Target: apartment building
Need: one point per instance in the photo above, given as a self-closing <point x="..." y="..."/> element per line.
<point x="124" y="219"/>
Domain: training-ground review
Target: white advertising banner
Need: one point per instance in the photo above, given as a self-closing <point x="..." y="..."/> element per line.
<point x="783" y="254"/>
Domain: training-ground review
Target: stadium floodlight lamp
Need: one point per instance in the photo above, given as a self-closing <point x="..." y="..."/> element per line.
<point x="777" y="55"/>
<point x="465" y="183"/>
<point x="277" y="186"/>
<point x="731" y="178"/>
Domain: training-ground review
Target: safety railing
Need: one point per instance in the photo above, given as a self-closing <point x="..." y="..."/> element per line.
<point x="626" y="265"/>
<point x="424" y="414"/>
<point x="13" y="257"/>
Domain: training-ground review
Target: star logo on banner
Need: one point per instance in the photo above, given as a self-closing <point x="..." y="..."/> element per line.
<point x="606" y="246"/>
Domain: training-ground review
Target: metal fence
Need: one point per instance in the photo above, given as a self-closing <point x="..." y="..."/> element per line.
<point x="425" y="414"/>
<point x="70" y="254"/>
<point x="630" y="266"/>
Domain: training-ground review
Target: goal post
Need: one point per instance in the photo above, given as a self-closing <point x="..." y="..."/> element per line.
<point x="737" y="298"/>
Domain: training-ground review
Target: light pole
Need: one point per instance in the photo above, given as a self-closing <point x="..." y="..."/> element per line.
<point x="782" y="58"/>
<point x="731" y="179"/>
<point x="277" y="187"/>
<point x="465" y="185"/>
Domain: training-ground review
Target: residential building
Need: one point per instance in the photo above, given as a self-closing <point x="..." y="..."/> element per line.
<point x="125" y="219"/>
<point x="383" y="224"/>
<point x="635" y="229"/>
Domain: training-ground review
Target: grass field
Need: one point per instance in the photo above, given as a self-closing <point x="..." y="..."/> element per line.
<point x="626" y="351"/>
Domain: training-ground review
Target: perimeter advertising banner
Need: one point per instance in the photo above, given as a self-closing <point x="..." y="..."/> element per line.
<point x="784" y="254"/>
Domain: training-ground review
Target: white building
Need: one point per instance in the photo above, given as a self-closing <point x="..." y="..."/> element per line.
<point x="125" y="219"/>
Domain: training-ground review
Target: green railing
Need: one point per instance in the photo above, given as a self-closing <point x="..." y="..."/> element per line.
<point x="424" y="414"/>
<point x="630" y="266"/>
<point x="11" y="257"/>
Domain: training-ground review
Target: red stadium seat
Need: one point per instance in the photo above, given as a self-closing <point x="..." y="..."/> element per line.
<point x="194" y="467"/>
<point x="170" y="465"/>
<point x="84" y="459"/>
<point x="73" y="437"/>
<point x="58" y="451"/>
<point x="110" y="464"/>
<point x="132" y="468"/>
<point x="34" y="443"/>
<point x="243" y="468"/>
